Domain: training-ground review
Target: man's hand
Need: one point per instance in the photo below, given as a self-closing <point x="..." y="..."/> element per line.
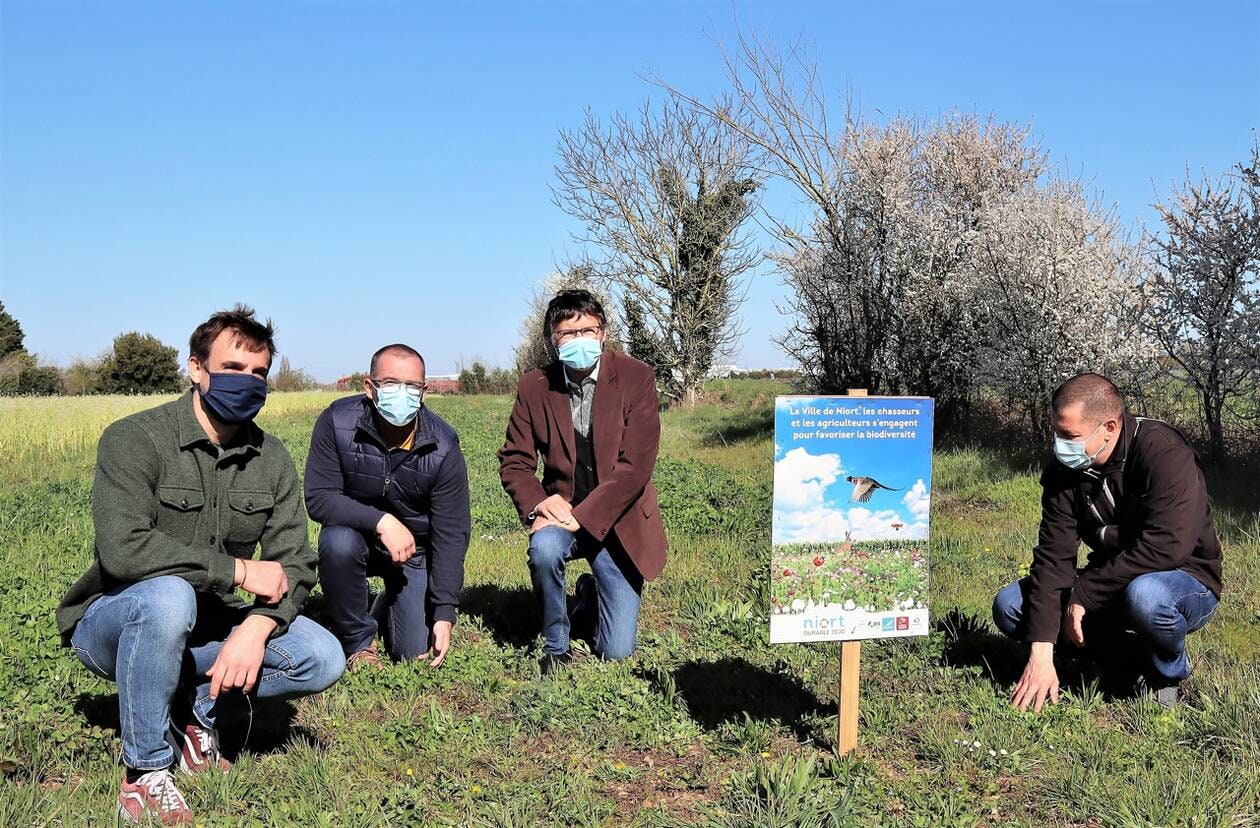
<point x="397" y="539"/>
<point x="241" y="657"/>
<point x="441" y="643"/>
<point x="266" y="580"/>
<point x="556" y="508"/>
<point x="1040" y="681"/>
<point x="1075" y="629"/>
<point x="541" y="522"/>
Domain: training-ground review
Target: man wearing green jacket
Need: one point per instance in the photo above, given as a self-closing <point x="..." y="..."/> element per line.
<point x="183" y="495"/>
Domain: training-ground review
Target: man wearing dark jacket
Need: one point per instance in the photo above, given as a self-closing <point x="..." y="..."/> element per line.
<point x="592" y="416"/>
<point x="1131" y="489"/>
<point x="386" y="479"/>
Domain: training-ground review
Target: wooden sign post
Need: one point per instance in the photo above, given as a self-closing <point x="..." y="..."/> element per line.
<point x="850" y="671"/>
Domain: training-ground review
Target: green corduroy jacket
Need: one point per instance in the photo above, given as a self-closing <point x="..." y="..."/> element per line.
<point x="167" y="501"/>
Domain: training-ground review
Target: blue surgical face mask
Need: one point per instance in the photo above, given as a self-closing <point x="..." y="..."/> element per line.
<point x="235" y="398"/>
<point x="1072" y="453"/>
<point x="397" y="403"/>
<point x="580" y="352"/>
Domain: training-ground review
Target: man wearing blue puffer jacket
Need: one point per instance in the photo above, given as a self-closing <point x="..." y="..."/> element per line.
<point x="386" y="480"/>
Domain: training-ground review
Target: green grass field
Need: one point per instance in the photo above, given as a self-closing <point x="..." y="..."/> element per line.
<point x="707" y="724"/>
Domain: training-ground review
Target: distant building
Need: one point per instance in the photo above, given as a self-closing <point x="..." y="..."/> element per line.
<point x="443" y="385"/>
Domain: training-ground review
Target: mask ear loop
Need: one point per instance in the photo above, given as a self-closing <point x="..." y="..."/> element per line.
<point x="1093" y="457"/>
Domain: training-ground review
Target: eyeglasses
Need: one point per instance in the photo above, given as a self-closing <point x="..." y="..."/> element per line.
<point x="574" y="333"/>
<point x="390" y="386"/>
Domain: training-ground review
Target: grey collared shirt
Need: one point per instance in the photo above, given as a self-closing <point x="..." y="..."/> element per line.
<point x="582" y="401"/>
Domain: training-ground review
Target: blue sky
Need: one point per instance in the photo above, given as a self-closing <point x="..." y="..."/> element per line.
<point x="372" y="172"/>
<point x="812" y="498"/>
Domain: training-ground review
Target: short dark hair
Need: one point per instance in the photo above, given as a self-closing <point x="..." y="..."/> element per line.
<point x="397" y="349"/>
<point x="240" y="320"/>
<point x="569" y="304"/>
<point x="1099" y="396"/>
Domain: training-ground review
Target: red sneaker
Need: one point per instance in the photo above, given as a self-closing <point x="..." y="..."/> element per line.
<point x="198" y="747"/>
<point x="153" y="795"/>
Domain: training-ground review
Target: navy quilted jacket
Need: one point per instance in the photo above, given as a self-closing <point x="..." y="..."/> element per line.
<point x="353" y="480"/>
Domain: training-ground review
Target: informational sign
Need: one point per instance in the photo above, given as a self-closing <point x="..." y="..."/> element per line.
<point x="852" y="497"/>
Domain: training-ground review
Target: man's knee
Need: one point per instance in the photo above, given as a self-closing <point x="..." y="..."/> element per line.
<point x="1008" y="609"/>
<point x="322" y="662"/>
<point x="618" y="646"/>
<point x="1150" y="603"/>
<point x="166" y="604"/>
<point x="549" y="547"/>
<point x="341" y="545"/>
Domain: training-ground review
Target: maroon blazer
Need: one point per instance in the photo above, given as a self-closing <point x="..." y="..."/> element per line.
<point x="626" y="429"/>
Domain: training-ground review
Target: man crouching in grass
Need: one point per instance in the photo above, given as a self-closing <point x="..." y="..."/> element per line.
<point x="183" y="494"/>
<point x="592" y="416"/>
<point x="1131" y="489"/>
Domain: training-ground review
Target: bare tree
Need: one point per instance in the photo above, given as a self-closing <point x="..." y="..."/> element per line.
<point x="662" y="199"/>
<point x="1205" y="293"/>
<point x="535" y="349"/>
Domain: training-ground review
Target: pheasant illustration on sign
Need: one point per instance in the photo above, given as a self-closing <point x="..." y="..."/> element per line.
<point x="864" y="487"/>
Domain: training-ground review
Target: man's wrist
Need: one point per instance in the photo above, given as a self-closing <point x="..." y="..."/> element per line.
<point x="238" y="572"/>
<point x="258" y="626"/>
<point x="1042" y="650"/>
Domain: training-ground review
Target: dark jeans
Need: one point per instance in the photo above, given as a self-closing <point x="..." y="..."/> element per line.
<point x="618" y="587"/>
<point x="1161" y="607"/>
<point x="144" y="636"/>
<point x="346" y="559"/>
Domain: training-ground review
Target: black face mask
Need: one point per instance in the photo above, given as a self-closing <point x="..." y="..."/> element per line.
<point x="235" y="398"/>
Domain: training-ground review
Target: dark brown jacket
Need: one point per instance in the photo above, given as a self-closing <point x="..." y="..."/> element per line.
<point x="626" y="430"/>
<point x="1145" y="510"/>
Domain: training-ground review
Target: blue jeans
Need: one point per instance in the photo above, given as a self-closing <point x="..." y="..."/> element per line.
<point x="1161" y="607"/>
<point x="148" y="635"/>
<point x="346" y="559"/>
<point x="618" y="589"/>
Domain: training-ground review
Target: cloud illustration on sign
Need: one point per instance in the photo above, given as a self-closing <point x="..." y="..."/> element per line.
<point x="801" y="479"/>
<point x="918" y="500"/>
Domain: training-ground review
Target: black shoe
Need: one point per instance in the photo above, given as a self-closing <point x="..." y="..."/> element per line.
<point x="1165" y="695"/>
<point x="552" y="662"/>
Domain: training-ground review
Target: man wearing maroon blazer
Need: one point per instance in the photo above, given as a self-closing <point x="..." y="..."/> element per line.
<point x="592" y="415"/>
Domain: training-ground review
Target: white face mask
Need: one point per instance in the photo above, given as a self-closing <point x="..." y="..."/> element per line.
<point x="1073" y="454"/>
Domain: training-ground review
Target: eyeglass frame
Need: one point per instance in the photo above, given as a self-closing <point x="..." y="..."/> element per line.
<point x="576" y="333"/>
<point x="411" y="386"/>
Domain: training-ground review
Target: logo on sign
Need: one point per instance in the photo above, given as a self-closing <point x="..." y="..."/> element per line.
<point x="903" y="622"/>
<point x="887" y="625"/>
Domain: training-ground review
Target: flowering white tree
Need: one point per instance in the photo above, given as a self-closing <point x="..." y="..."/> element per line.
<point x="1205" y="293"/>
<point x="939" y="257"/>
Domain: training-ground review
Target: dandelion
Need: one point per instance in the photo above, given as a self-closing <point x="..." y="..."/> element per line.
<point x="619" y="766"/>
<point x="410" y="772"/>
<point x="476" y="789"/>
<point x="765" y="754"/>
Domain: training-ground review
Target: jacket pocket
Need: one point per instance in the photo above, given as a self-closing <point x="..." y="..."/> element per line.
<point x="250" y="512"/>
<point x="181" y="499"/>
<point x="180" y="511"/>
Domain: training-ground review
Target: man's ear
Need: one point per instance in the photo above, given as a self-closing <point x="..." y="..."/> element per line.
<point x="194" y="370"/>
